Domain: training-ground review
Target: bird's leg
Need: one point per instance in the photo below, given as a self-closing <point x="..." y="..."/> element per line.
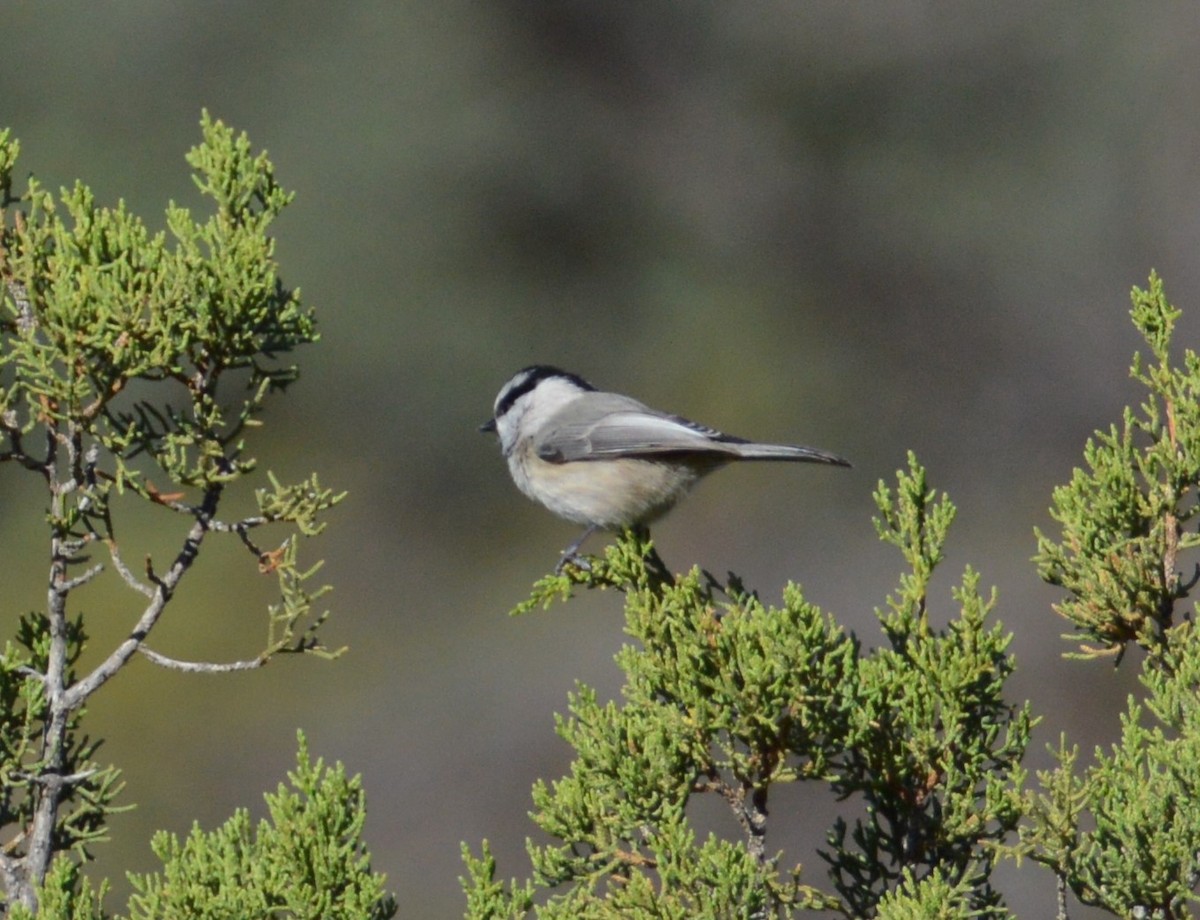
<point x="571" y="553"/>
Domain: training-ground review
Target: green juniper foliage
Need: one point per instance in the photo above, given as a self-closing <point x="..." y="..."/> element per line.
<point x="1125" y="518"/>
<point x="1124" y="834"/>
<point x="306" y="861"/>
<point x="66" y="894"/>
<point x="133" y="368"/>
<point x="915" y="736"/>
<point x="932" y="898"/>
<point x="934" y="750"/>
<point x="730" y="697"/>
<point x="24" y="712"/>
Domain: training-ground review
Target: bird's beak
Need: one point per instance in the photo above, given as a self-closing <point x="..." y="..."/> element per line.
<point x="488" y="426"/>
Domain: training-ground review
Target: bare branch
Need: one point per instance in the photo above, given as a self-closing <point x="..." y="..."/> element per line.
<point x="201" y="667"/>
<point x="749" y="806"/>
<point x="18" y="456"/>
<point x="12" y="846"/>
<point x="45" y="811"/>
<point x="55" y="782"/>
<point x="240" y="527"/>
<point x="10" y="873"/>
<point x="150" y="573"/>
<point x="177" y="504"/>
<point x="1061" y="896"/>
<point x="165" y="586"/>
<point x="125" y="572"/>
<point x="26" y="320"/>
<point x="11" y="427"/>
<point x="72" y="583"/>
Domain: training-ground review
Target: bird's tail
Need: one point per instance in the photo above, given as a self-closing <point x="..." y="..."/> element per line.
<point x="753" y="451"/>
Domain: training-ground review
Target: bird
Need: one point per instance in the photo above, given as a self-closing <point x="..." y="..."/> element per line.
<point x="607" y="461"/>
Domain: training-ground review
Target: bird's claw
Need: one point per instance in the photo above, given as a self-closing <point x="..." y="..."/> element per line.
<point x="575" y="559"/>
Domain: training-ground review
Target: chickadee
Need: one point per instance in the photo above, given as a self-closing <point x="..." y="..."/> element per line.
<point x="605" y="460"/>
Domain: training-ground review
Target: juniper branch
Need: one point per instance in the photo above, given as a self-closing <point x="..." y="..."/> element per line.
<point x="201" y="667"/>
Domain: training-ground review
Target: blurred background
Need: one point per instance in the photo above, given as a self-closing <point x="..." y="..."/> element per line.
<point x="869" y="227"/>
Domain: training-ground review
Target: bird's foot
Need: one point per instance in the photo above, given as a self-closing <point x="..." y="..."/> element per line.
<point x="573" y="558"/>
<point x="570" y="555"/>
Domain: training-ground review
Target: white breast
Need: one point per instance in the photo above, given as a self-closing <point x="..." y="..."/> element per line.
<point x="613" y="494"/>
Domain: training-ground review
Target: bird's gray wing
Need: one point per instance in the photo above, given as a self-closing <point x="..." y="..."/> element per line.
<point x="604" y="426"/>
